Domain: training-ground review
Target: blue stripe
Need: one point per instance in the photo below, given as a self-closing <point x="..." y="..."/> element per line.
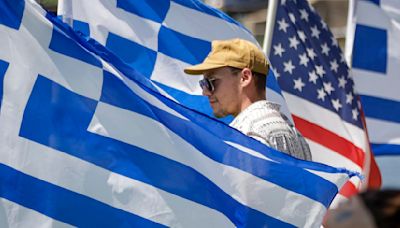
<point x="64" y="45"/>
<point x="377" y="2"/>
<point x="153" y="10"/>
<point x="370" y="49"/>
<point x="200" y="6"/>
<point x="11" y="13"/>
<point x="63" y="118"/>
<point x="185" y="48"/>
<point x="385" y="149"/>
<point x="194" y="102"/>
<point x="206" y="141"/>
<point x="3" y="69"/>
<point x="63" y="205"/>
<point x="82" y="27"/>
<point x="380" y="108"/>
<point x="134" y="54"/>
<point x="272" y="83"/>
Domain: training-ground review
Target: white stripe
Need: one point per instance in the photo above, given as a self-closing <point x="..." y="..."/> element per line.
<point x="17" y="216"/>
<point x="191" y="23"/>
<point x="104" y="17"/>
<point x="256" y="193"/>
<point x="162" y="92"/>
<point x="391" y="134"/>
<point x="169" y="71"/>
<point x="75" y="75"/>
<point x="145" y="95"/>
<point x="111" y="69"/>
<point x="390" y="169"/>
<point x="363" y="80"/>
<point x="326" y="119"/>
<point x="337" y="201"/>
<point x="249" y="151"/>
<point x="392" y="7"/>
<point x="367" y="13"/>
<point x="338" y="179"/>
<point x="326" y="156"/>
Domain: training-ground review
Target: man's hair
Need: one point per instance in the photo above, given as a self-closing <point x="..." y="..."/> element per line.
<point x="260" y="80"/>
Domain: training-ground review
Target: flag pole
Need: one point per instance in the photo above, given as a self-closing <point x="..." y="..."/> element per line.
<point x="269" y="25"/>
<point x="65" y="8"/>
<point x="350" y="31"/>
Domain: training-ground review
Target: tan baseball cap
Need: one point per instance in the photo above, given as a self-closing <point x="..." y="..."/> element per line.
<point x="236" y="53"/>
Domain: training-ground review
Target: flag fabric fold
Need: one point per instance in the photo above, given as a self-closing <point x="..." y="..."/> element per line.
<point x="87" y="141"/>
<point x="373" y="52"/>
<point x="318" y="89"/>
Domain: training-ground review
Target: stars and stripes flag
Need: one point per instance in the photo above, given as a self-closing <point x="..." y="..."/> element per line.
<point x="87" y="141"/>
<point x="373" y="50"/>
<point x="319" y="91"/>
<point x="160" y="39"/>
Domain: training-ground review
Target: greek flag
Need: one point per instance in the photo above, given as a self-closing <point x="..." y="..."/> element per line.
<point x="374" y="52"/>
<point x="160" y="39"/>
<point x="87" y="141"/>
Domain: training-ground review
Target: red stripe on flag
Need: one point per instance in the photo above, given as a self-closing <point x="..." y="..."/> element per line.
<point x="375" y="178"/>
<point x="348" y="190"/>
<point x="330" y="140"/>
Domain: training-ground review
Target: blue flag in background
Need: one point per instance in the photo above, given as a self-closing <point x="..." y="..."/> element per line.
<point x="374" y="51"/>
<point x="160" y="39"/>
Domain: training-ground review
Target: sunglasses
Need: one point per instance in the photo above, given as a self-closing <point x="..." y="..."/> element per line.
<point x="207" y="84"/>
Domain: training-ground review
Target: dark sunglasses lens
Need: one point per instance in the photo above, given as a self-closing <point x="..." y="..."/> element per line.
<point x="206" y="84"/>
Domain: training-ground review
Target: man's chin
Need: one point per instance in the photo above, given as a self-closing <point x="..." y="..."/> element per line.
<point x="219" y="115"/>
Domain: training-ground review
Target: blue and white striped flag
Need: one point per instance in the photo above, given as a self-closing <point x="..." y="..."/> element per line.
<point x="160" y="39"/>
<point x="87" y="141"/>
<point x="374" y="51"/>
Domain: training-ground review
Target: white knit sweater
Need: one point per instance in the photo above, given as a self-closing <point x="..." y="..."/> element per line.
<point x="263" y="121"/>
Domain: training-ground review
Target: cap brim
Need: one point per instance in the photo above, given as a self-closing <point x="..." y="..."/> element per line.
<point x="201" y="68"/>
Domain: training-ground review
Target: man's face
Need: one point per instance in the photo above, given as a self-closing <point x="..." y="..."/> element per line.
<point x="225" y="98"/>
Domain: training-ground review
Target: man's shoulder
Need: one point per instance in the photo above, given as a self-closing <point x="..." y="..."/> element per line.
<point x="267" y="124"/>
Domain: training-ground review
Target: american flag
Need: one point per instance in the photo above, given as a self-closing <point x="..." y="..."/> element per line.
<point x="319" y="90"/>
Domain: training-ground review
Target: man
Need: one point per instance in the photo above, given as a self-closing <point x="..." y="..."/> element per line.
<point x="234" y="82"/>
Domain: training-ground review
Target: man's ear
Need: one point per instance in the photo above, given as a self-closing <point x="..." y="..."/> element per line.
<point x="246" y="77"/>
